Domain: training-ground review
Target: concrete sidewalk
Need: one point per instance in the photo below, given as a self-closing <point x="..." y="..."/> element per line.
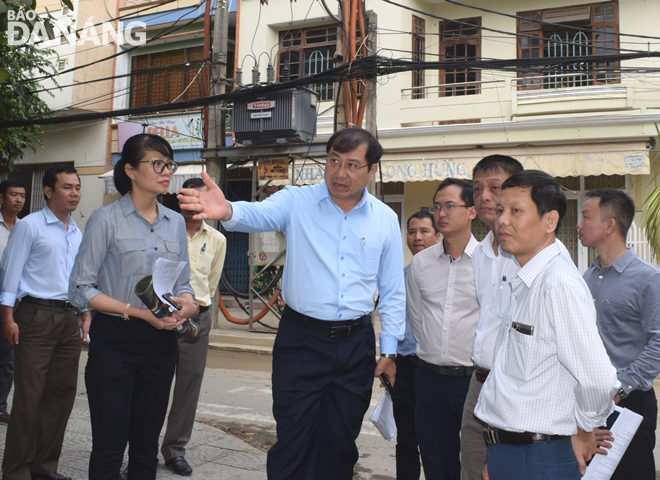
<point x="213" y="454"/>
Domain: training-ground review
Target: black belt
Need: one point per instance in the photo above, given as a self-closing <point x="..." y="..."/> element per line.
<point x="331" y="328"/>
<point x="48" y="303"/>
<point x="407" y="358"/>
<point x="203" y="309"/>
<point x="481" y="373"/>
<point x="495" y="435"/>
<point x="447" y="371"/>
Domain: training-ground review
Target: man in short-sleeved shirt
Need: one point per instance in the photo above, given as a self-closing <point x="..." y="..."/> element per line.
<point x="626" y="293"/>
<point x="206" y="252"/>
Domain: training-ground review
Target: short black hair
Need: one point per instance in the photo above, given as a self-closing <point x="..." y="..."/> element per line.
<point x="421" y="215"/>
<point x="466" y="189"/>
<point x="50" y="177"/>
<point x="493" y="163"/>
<point x="193" y="183"/>
<point x="11" y="183"/>
<point x="134" y="150"/>
<point x="546" y="192"/>
<point x="349" y="139"/>
<point x="614" y="204"/>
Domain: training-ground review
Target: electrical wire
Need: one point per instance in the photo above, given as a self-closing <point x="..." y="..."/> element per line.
<point x="551" y="24"/>
<point x="367" y="67"/>
<point x="167" y="31"/>
<point x="481" y="27"/>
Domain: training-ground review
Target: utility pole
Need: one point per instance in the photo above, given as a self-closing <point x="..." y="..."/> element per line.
<point x="370" y="121"/>
<point x="216" y="167"/>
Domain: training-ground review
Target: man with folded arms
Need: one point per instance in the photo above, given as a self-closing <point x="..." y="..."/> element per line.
<point x="552" y="382"/>
<point x="626" y="293"/>
<point x="443" y="311"/>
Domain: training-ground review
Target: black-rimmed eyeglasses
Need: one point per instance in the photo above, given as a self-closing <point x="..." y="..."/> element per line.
<point x="160" y="165"/>
<point x="449" y="207"/>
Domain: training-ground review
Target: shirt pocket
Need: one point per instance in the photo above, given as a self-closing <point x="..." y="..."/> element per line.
<point x="370" y="257"/>
<point x="520" y="354"/>
<point x="172" y="250"/>
<point x="133" y="255"/>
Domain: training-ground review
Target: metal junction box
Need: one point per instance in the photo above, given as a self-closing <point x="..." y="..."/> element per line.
<point x="283" y="117"/>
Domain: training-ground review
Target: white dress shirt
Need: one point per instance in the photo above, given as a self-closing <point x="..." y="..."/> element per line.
<point x="551" y="372"/>
<point x="442" y="305"/>
<point x="491" y="274"/>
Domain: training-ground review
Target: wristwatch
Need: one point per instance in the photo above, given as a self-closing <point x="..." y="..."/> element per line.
<point x="622" y="394"/>
<point x="391" y="356"/>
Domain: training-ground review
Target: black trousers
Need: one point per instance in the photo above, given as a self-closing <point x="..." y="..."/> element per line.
<point x="321" y="391"/>
<point x="128" y="377"/>
<point x="438" y="414"/>
<point x="408" y="466"/>
<point x="638" y="461"/>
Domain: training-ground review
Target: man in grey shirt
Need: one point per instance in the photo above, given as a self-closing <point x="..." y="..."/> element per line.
<point x="626" y="292"/>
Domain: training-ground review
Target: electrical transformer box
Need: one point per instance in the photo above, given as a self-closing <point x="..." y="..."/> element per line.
<point x="282" y="117"/>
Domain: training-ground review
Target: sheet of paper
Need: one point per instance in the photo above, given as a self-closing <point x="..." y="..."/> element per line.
<point x="382" y="417"/>
<point x="166" y="273"/>
<point x="602" y="466"/>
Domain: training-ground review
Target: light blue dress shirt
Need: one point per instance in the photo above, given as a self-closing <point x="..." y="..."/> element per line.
<point x="38" y="258"/>
<point x="335" y="260"/>
<point x="408" y="345"/>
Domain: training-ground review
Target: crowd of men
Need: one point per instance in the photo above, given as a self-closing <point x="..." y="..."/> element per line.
<point x="506" y="363"/>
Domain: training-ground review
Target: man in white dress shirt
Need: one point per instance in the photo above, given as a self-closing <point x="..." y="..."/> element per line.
<point x="491" y="271"/>
<point x="552" y="382"/>
<point x="443" y="311"/>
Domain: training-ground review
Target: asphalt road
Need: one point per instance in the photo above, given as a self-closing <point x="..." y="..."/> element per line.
<point x="236" y="397"/>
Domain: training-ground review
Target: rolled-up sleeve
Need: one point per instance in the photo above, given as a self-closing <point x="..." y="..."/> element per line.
<point x="83" y="282"/>
<point x="13" y="261"/>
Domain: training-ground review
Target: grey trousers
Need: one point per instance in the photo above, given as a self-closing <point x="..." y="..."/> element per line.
<point x="189" y="374"/>
<point x="44" y="389"/>
<point x="473" y="446"/>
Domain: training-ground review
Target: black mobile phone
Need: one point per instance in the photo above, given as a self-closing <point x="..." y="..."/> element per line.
<point x="168" y="299"/>
<point x="386" y="381"/>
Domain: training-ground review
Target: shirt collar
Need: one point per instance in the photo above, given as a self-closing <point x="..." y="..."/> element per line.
<point x="325" y="193"/>
<point x="487" y="245"/>
<point x="204" y="228"/>
<point x="51" y="218"/>
<point x="620" y="263"/>
<point x="468" y="250"/>
<point x="128" y="207"/>
<point x="537" y="264"/>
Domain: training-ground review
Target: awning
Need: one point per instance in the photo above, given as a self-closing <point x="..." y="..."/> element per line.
<point x="557" y="160"/>
<point x="183" y="173"/>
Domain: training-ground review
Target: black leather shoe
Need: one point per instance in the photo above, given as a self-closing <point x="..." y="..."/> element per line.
<point x="179" y="466"/>
<point x="49" y="476"/>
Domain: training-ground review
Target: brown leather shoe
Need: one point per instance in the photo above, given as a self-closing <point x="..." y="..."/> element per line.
<point x="4" y="417"/>
<point x="49" y="476"/>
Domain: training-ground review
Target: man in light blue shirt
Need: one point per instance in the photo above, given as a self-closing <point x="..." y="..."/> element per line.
<point x="421" y="234"/>
<point x="44" y="329"/>
<point x="342" y="245"/>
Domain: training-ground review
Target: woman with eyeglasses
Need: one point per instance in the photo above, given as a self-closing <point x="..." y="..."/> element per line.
<point x="132" y="354"/>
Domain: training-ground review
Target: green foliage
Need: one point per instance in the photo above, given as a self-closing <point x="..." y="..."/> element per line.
<point x="18" y="65"/>
<point x="17" y="98"/>
<point x="651" y="216"/>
